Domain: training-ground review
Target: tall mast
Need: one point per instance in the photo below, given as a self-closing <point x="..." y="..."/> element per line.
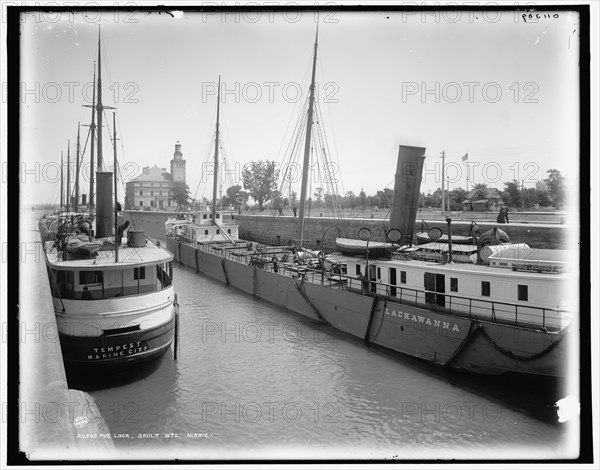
<point x="68" y="175"/>
<point x="92" y="148"/>
<point x="117" y="238"/>
<point x="216" y="167"/>
<point x="62" y="189"/>
<point x="104" y="211"/>
<point x="309" y="119"/>
<point x="99" y="107"/>
<point x="76" y="205"/>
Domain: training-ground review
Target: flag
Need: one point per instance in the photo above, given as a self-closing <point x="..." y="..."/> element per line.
<point x="465" y="157"/>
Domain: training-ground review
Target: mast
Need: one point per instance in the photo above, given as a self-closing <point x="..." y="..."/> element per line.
<point x="216" y="166"/>
<point x="75" y="206"/>
<point x="68" y="175"/>
<point x="99" y="107"/>
<point x="306" y="162"/>
<point x="104" y="210"/>
<point x="117" y="238"/>
<point x="62" y="189"/>
<point x="93" y="134"/>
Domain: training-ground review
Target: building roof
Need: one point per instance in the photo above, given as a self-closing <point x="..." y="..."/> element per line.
<point x="153" y="174"/>
<point x="491" y="193"/>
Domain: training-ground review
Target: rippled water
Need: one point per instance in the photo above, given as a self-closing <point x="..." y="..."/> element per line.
<point x="253" y="381"/>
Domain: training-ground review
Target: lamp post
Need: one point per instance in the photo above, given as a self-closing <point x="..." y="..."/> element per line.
<point x="322" y="255"/>
<point x="366" y="235"/>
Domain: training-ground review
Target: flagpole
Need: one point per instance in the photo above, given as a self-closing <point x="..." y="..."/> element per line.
<point x="443" y="179"/>
<point x="464" y="159"/>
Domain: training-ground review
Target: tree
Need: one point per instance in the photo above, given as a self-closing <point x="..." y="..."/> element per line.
<point x="556" y="188"/>
<point x="260" y="179"/>
<point x="180" y="193"/>
<point x="362" y="199"/>
<point x="350" y="200"/>
<point x="374" y="201"/>
<point x="293" y="198"/>
<point x="318" y="194"/>
<point x="481" y="191"/>
<point x="512" y="195"/>
<point x="330" y="201"/>
<point x="235" y="196"/>
<point x="544" y="198"/>
<point x="530" y="198"/>
<point x="457" y="196"/>
<point x="277" y="201"/>
<point x="433" y="200"/>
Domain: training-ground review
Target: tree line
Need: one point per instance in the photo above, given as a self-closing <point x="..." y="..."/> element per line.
<point x="260" y="182"/>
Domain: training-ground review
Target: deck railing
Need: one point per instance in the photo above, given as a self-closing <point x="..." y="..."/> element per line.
<point x="495" y="311"/>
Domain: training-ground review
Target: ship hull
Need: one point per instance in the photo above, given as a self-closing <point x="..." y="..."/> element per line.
<point x="121" y="350"/>
<point x="459" y="341"/>
<point x="116" y="332"/>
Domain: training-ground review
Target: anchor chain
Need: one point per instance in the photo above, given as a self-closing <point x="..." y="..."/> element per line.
<point x="518" y="357"/>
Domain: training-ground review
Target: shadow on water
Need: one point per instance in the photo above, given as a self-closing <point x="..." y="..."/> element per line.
<point x="99" y="378"/>
<point x="532" y="396"/>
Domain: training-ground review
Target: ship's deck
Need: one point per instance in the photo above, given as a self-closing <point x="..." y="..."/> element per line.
<point x="127" y="256"/>
<point x="449" y="267"/>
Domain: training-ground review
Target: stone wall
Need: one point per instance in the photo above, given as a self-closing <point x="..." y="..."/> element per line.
<point x="280" y="229"/>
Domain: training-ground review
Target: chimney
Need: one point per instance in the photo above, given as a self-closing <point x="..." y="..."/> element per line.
<point x="406" y="191"/>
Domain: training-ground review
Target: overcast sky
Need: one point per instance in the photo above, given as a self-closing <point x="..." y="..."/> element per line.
<point x="492" y="85"/>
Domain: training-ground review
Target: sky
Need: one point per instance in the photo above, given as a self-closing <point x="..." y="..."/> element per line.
<point x="488" y="84"/>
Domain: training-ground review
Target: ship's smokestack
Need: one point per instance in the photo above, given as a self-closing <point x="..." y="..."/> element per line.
<point x="406" y="191"/>
<point x="104" y="207"/>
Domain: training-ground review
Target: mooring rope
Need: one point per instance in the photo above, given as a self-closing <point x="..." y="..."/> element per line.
<point x="300" y="289"/>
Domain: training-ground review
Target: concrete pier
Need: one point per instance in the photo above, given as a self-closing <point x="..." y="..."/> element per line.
<point x="55" y="422"/>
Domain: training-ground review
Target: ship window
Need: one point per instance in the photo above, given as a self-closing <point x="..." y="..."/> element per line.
<point x="402" y="277"/>
<point x="485" y="288"/>
<point x="522" y="292"/>
<point x="454" y="284"/>
<point x="206" y="232"/>
<point x="90" y="277"/>
<point x="378" y="273"/>
<point x="70" y="277"/>
<point x="218" y="232"/>
<point x="139" y="273"/>
<point x="228" y="230"/>
<point x="358" y="269"/>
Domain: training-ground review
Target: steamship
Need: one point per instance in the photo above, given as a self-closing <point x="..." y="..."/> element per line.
<point x="443" y="303"/>
<point x="113" y="295"/>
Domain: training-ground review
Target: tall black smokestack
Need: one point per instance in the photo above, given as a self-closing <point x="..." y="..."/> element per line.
<point x="104" y="207"/>
<point x="406" y="191"/>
